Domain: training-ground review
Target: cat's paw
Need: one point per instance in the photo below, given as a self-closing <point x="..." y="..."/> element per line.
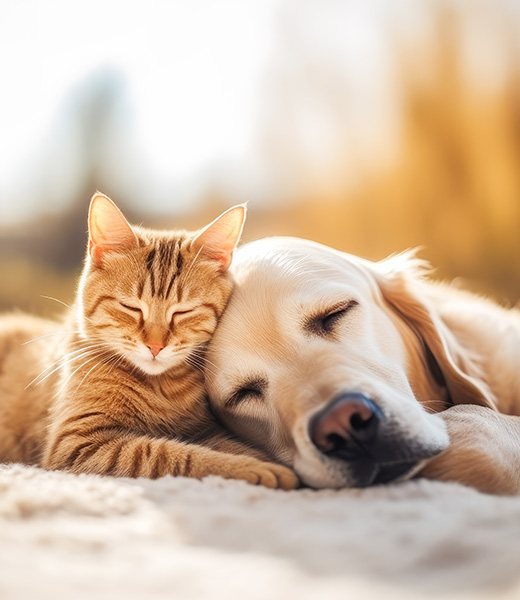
<point x="268" y="474"/>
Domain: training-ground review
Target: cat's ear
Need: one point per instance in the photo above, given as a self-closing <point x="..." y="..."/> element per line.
<point x="219" y="239"/>
<point x="108" y="230"/>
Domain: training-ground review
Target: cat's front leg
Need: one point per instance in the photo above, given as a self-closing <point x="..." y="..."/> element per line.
<point x="217" y="438"/>
<point x="252" y="470"/>
<point x="107" y="449"/>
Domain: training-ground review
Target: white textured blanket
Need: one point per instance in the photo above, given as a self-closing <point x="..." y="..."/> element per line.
<point x="89" y="537"/>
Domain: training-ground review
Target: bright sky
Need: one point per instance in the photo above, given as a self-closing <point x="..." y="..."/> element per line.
<point x="203" y="83"/>
<point x="191" y="70"/>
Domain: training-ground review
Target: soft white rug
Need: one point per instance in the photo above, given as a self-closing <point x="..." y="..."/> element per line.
<point x="63" y="536"/>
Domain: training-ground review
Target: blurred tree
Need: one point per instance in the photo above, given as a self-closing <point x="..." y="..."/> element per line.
<point x="54" y="244"/>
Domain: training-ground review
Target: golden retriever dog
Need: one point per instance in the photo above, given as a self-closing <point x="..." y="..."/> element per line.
<point x="357" y="373"/>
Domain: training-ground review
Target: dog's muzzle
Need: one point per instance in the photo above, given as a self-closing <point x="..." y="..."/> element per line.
<point x="352" y="428"/>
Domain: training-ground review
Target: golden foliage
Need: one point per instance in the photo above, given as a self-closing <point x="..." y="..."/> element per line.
<point x="454" y="188"/>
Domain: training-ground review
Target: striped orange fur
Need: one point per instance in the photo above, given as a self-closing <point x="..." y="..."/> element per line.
<point x="116" y="386"/>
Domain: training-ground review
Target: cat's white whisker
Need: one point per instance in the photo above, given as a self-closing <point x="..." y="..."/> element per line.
<point x="63" y="360"/>
<point x="118" y="360"/>
<point x="64" y="385"/>
<point x="52" y="365"/>
<point x="198" y="363"/>
<point x="40" y="337"/>
<point x="56" y="300"/>
<point x="89" y="353"/>
<point x="193" y="262"/>
<point x="100" y="362"/>
<point x="206" y="361"/>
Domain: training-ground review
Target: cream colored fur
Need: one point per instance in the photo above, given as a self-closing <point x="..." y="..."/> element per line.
<point x="383" y="348"/>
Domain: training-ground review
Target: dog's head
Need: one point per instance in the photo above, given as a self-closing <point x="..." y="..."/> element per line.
<point x="335" y="365"/>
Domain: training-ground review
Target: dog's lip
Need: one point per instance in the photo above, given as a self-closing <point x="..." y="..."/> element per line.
<point x="388" y="473"/>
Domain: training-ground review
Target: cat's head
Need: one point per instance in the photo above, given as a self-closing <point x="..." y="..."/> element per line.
<point x="153" y="298"/>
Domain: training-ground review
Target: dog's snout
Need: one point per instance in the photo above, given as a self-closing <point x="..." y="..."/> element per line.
<point x="347" y="426"/>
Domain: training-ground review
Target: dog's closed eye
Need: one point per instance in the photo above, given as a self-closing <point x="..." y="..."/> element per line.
<point x="251" y="389"/>
<point x="323" y="324"/>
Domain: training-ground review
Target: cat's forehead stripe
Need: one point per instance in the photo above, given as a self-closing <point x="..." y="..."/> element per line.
<point x="165" y="251"/>
<point x="140" y="288"/>
<point x="150" y="268"/>
<point x="179" y="262"/>
<point x="172" y="279"/>
<point x="163" y="264"/>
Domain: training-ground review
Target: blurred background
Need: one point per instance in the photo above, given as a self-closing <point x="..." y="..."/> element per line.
<point x="368" y="125"/>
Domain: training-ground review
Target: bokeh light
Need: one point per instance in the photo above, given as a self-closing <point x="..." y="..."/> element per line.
<point x="370" y="126"/>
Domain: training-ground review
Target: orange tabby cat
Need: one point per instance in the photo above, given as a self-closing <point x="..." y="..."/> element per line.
<point x="116" y="388"/>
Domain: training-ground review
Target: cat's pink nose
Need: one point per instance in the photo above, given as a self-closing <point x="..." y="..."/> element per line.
<point x="155" y="348"/>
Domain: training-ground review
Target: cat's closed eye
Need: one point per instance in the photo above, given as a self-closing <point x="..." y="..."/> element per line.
<point x="131" y="308"/>
<point x="179" y="312"/>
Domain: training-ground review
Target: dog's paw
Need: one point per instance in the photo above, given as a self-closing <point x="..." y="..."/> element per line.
<point x="484" y="450"/>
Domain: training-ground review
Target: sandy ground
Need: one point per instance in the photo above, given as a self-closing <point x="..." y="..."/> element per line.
<point x="89" y="537"/>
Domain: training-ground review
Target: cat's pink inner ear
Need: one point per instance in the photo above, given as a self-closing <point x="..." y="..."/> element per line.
<point x="108" y="229"/>
<point x="219" y="239"/>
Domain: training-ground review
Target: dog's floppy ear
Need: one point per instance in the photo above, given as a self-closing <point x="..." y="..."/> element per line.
<point x="402" y="284"/>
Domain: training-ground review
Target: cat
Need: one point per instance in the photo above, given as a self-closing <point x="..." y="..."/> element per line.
<point x="116" y="386"/>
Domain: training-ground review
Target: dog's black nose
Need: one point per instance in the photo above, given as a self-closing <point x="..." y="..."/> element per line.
<point x="347" y="427"/>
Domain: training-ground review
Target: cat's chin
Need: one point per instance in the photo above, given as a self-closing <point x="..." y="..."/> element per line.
<point x="154" y="366"/>
<point x="154" y="369"/>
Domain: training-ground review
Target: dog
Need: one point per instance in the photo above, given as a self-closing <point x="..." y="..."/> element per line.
<point x="357" y="373"/>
